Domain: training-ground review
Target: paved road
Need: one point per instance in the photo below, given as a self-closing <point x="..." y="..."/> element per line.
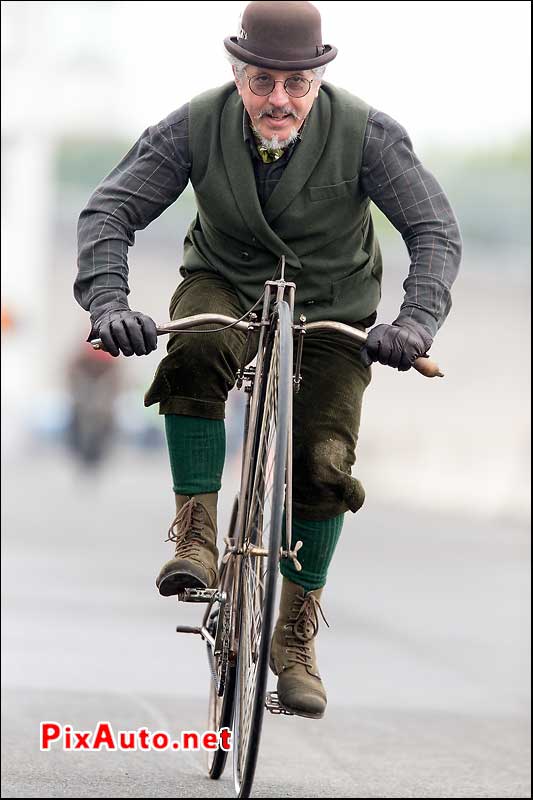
<point x="426" y="660"/>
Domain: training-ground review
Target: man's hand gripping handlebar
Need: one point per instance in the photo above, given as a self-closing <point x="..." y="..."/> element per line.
<point x="425" y="366"/>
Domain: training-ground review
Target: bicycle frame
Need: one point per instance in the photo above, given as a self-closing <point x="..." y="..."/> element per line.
<point x="280" y="287"/>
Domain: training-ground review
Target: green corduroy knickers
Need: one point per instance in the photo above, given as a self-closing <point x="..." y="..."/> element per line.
<point x="199" y="370"/>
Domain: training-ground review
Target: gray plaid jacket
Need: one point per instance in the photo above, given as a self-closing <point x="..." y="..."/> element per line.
<point x="156" y="170"/>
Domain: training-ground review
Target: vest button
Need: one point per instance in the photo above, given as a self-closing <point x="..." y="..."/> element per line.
<point x="245" y="256"/>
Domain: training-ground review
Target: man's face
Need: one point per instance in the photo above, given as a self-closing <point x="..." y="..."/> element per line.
<point x="276" y="116"/>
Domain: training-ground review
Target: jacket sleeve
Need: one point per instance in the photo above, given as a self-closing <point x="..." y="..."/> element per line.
<point x="415" y="203"/>
<point x="149" y="178"/>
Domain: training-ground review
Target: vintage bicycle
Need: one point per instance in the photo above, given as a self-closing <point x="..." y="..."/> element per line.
<point x="238" y="619"/>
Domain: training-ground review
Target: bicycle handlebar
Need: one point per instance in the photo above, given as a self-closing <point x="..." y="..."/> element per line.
<point x="425" y="366"/>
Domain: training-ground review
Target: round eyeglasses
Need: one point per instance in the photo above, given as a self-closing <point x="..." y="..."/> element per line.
<point x="263" y="85"/>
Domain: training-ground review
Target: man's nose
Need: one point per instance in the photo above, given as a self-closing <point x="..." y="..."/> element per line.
<point x="278" y="95"/>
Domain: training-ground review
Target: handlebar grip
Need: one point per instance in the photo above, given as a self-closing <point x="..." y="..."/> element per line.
<point x="428" y="368"/>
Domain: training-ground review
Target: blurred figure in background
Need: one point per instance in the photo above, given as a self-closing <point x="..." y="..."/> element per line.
<point x="93" y="382"/>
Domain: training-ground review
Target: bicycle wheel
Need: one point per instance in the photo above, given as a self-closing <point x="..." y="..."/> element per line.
<point x="223" y="671"/>
<point x="263" y="521"/>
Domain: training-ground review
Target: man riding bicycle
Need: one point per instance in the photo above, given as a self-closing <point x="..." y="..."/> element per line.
<point x="281" y="163"/>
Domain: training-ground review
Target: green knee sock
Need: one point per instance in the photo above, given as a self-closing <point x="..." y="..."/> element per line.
<point x="319" y="542"/>
<point x="197" y="449"/>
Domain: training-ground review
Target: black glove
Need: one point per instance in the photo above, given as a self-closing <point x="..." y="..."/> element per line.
<point x="123" y="330"/>
<point x="397" y="345"/>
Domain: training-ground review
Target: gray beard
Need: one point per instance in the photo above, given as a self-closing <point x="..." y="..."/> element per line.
<point x="275" y="143"/>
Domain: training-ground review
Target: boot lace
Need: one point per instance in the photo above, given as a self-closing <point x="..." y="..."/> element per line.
<point x="187" y="529"/>
<point x="302" y="629"/>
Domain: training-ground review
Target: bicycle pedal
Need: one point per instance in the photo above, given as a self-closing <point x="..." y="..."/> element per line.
<point x="272" y="705"/>
<point x="197" y="595"/>
<point x="188" y="629"/>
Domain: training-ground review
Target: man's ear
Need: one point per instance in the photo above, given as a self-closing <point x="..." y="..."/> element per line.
<point x="237" y="82"/>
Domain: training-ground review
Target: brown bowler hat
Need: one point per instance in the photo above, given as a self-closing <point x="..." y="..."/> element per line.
<point x="281" y="35"/>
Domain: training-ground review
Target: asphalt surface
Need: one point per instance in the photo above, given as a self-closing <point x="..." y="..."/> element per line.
<point x="426" y="661"/>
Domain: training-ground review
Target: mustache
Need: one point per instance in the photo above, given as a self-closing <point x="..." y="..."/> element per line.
<point x="277" y="112"/>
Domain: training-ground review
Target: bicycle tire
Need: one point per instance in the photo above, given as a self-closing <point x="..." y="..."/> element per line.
<point x="265" y="501"/>
<point x="221" y="708"/>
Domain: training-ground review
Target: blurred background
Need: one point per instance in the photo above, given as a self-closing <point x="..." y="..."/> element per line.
<point x="446" y="467"/>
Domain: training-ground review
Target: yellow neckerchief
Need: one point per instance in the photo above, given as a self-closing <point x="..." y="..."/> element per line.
<point x="268" y="156"/>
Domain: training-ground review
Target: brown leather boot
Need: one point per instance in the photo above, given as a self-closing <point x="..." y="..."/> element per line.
<point x="292" y="654"/>
<point x="194" y="531"/>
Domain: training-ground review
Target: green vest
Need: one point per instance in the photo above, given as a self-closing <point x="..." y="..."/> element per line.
<point x="315" y="216"/>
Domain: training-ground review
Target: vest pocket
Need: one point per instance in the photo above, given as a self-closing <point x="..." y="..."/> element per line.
<point x="333" y="191"/>
<point x="362" y="283"/>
